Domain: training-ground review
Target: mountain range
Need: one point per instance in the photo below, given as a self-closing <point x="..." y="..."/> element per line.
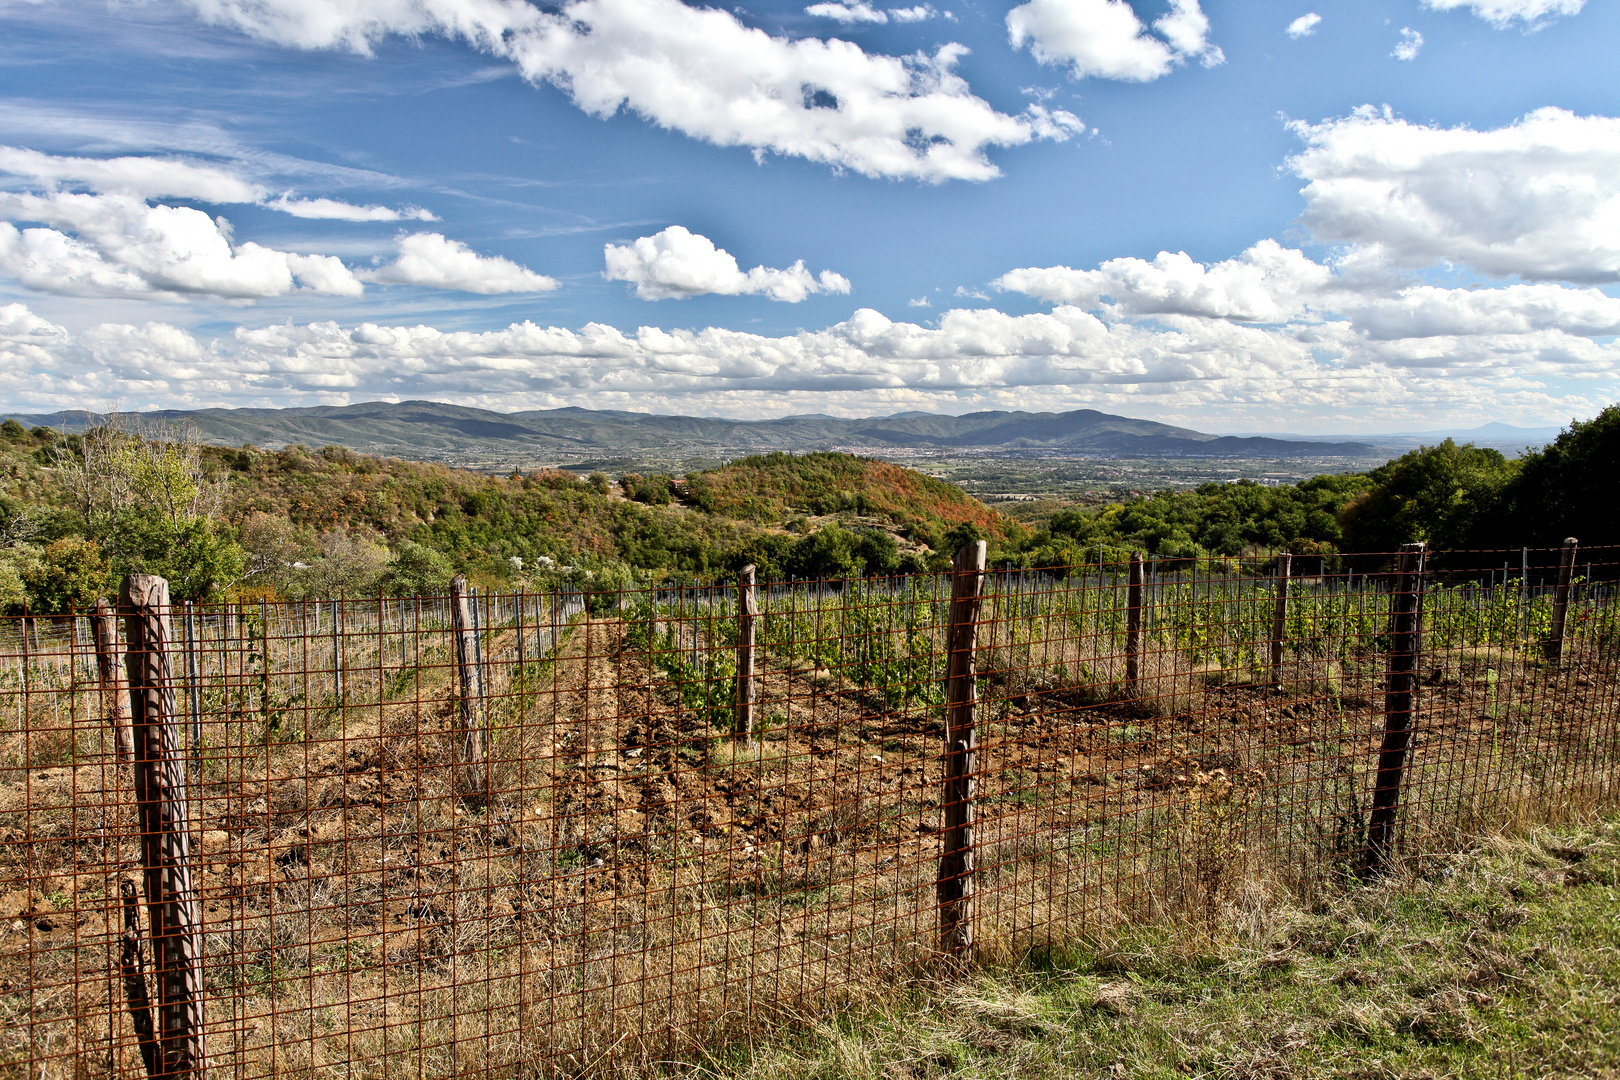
<point x="431" y="429"/>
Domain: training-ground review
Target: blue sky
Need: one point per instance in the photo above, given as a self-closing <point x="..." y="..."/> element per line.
<point x="1249" y="216"/>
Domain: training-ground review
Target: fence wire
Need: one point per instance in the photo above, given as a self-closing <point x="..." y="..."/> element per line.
<point x="629" y="883"/>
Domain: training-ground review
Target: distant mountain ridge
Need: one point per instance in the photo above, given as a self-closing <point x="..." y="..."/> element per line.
<point x="429" y="428"/>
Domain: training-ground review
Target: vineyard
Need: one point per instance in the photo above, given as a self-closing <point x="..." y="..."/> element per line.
<point x="595" y="833"/>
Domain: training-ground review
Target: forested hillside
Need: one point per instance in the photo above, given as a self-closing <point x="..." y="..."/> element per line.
<point x="78" y="510"/>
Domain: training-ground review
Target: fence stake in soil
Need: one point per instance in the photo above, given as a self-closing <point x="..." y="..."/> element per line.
<point x="1279" y="621"/>
<point x="104" y="628"/>
<point x="160" y="791"/>
<point x="1400" y="702"/>
<point x="1133" y="626"/>
<point x="469" y="712"/>
<point x="132" y="971"/>
<point x="955" y="887"/>
<point x="747" y="612"/>
<point x="1560" y="611"/>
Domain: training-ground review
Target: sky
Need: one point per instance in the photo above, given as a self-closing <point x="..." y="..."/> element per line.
<point x="1244" y="216"/>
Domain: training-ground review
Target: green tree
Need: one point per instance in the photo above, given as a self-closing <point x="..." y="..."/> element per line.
<point x="71" y="573"/>
<point x="1447" y="495"/>
<point x="194" y="556"/>
<point x="1571" y="487"/>
<point x="417" y="570"/>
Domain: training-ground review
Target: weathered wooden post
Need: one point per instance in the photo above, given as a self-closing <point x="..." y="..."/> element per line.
<point x="104" y="629"/>
<point x="470" y="714"/>
<point x="1133" y="627"/>
<point x="132" y="972"/>
<point x="747" y="612"/>
<point x="1279" y="619"/>
<point x="955" y="886"/>
<point x="1400" y="703"/>
<point x="1560" y="611"/>
<point x="160" y="792"/>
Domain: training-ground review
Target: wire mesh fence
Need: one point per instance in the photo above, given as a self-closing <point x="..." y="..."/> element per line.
<point x="554" y="834"/>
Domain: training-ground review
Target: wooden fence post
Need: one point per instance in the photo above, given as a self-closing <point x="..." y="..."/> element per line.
<point x="1560" y="611"/>
<point x="1279" y="620"/>
<point x="1133" y="627"/>
<point x="747" y="612"/>
<point x="955" y="886"/>
<point x="160" y="792"/>
<point x="1400" y="703"/>
<point x="104" y="628"/>
<point x="132" y="972"/>
<point x="470" y="714"/>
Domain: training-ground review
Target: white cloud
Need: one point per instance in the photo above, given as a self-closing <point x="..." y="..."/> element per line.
<point x="1503" y="13"/>
<point x="1407" y="48"/>
<point x="119" y="246"/>
<point x="158" y="177"/>
<point x="1304" y="26"/>
<point x="676" y="263"/>
<point x="859" y="12"/>
<point x="432" y="260"/>
<point x="1105" y="39"/>
<point x="701" y="72"/>
<point x="1539" y="198"/>
<point x="921" y="301"/>
<point x="142" y="177"/>
<point x="920" y="13"/>
<point x="1266" y="284"/>
<point x="332" y="209"/>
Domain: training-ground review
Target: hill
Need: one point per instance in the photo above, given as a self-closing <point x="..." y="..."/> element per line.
<point x="433" y="429"/>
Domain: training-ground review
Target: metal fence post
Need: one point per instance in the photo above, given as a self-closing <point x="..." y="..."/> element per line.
<point x="469" y="714"/>
<point x="1279" y="620"/>
<point x="1133" y="626"/>
<point x="955" y="885"/>
<point x="160" y="791"/>
<point x="1400" y="703"/>
<point x="1560" y="611"/>
<point x="747" y="611"/>
<point x="104" y="629"/>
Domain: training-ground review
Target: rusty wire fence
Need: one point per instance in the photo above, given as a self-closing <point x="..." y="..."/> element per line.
<point x="557" y="835"/>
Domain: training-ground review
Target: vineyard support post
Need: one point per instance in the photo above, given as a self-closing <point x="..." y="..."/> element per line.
<point x="955" y="885"/>
<point x="1133" y="627"/>
<point x="160" y="792"/>
<point x="1279" y="620"/>
<point x="1400" y="703"/>
<point x="469" y="714"/>
<point x="747" y="612"/>
<point x="1560" y="611"/>
<point x="104" y="629"/>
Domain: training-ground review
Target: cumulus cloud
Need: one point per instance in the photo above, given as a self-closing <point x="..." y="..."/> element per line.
<point x="1105" y="38"/>
<point x="677" y="263"/>
<point x="848" y="13"/>
<point x="1436" y="349"/>
<point x="432" y="260"/>
<point x="1407" y="48"/>
<point x="702" y="72"/>
<point x="1539" y="198"/>
<point x="1266" y="284"/>
<point x="1304" y="26"/>
<point x="1504" y="13"/>
<point x="119" y="246"/>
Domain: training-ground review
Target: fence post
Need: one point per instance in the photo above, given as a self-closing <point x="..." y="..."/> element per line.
<point x="132" y="971"/>
<point x="1560" y="611"/>
<point x="104" y="629"/>
<point x="1133" y="626"/>
<point x="160" y="792"/>
<point x="747" y="611"/>
<point x="1279" y="621"/>
<point x="469" y="714"/>
<point x="1400" y="702"/>
<point x="955" y="885"/>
